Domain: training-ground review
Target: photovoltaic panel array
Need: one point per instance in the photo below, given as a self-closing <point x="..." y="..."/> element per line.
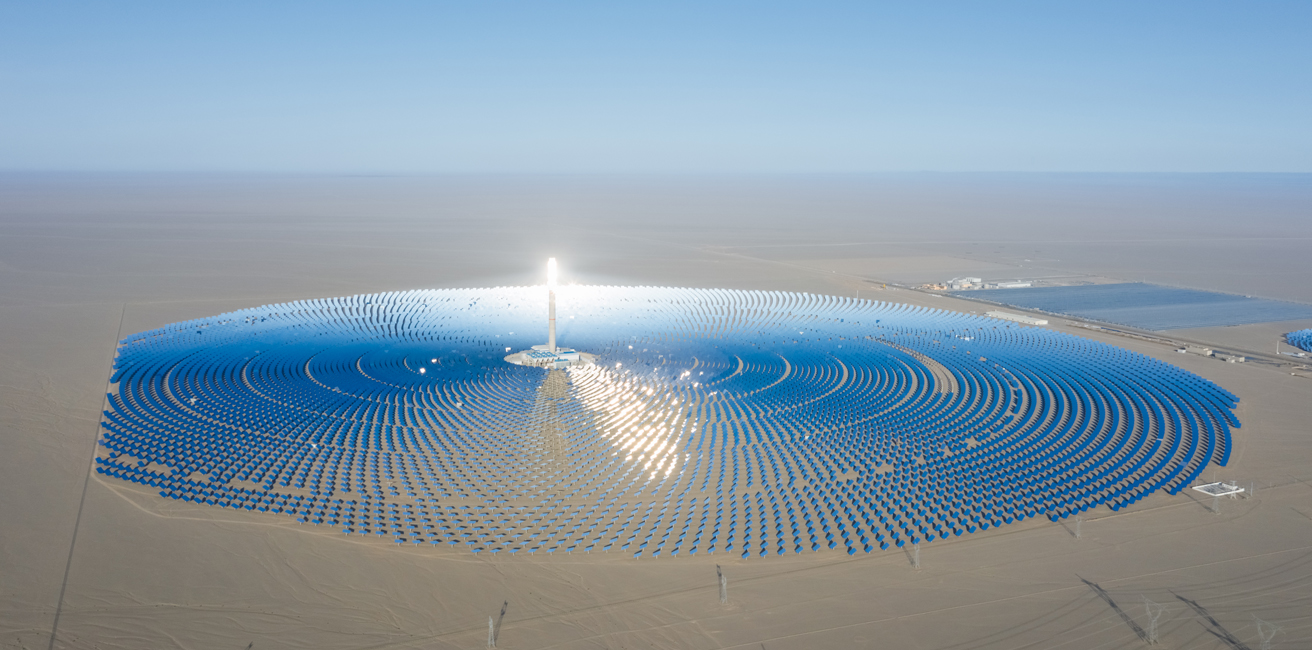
<point x="749" y="422"/>
<point x="1147" y="306"/>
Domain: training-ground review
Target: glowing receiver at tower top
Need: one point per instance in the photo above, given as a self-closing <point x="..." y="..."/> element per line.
<point x="549" y="355"/>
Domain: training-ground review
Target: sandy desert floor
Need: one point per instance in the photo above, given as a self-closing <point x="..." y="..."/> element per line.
<point x="106" y="564"/>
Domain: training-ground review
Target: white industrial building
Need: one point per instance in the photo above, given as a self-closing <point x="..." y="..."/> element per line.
<point x="1019" y="318"/>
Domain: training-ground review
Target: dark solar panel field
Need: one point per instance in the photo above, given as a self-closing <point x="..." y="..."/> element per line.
<point x="1148" y="306"/>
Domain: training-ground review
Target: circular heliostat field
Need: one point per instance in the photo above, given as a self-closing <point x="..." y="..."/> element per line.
<point x="1301" y="339"/>
<point x="749" y="422"/>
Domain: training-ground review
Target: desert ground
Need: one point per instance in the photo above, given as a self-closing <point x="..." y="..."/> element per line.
<point x="101" y="563"/>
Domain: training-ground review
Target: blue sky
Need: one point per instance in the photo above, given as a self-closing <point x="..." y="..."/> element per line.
<point x="384" y="87"/>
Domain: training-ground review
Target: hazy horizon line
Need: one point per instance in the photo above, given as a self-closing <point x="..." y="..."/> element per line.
<point x="621" y="174"/>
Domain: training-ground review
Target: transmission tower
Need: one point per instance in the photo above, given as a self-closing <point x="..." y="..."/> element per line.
<point x="1155" y="612"/>
<point x="1265" y="632"/>
<point x="724" y="586"/>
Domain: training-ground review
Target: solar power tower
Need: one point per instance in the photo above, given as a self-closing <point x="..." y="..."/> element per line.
<point x="550" y="355"/>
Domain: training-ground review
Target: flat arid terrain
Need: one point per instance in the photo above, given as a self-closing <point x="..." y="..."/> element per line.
<point x="86" y="260"/>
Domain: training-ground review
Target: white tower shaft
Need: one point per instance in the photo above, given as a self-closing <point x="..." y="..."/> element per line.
<point x="551" y="321"/>
<point x="551" y="305"/>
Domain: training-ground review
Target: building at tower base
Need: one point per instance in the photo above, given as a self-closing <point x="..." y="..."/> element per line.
<point x="541" y="356"/>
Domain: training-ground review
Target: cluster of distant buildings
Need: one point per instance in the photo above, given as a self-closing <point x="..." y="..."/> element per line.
<point x="1207" y="352"/>
<point x="964" y="284"/>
